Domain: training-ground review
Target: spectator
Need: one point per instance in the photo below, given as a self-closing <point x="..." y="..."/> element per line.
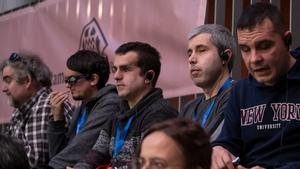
<point x="13" y="155"/>
<point x="27" y="82"/>
<point x="86" y="75"/>
<point x="211" y="50"/>
<point x="262" y="119"/>
<point x="176" y="143"/>
<point x="136" y="69"/>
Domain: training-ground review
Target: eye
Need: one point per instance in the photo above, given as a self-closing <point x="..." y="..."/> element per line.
<point x="158" y="164"/>
<point x="139" y="162"/>
<point x="7" y="79"/>
<point x="264" y="45"/>
<point x="244" y="48"/>
<point x="200" y="50"/>
<point x="113" y="69"/>
<point x="189" y="52"/>
<point x="71" y="80"/>
<point x="125" y="69"/>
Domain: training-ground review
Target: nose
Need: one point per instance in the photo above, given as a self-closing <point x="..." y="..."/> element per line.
<point x="192" y="58"/>
<point x="255" y="57"/>
<point x="4" y="88"/>
<point x="117" y="75"/>
<point x="68" y="85"/>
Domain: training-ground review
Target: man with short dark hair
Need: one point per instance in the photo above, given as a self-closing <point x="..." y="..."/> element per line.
<point x="262" y="122"/>
<point x="136" y="69"/>
<point x="86" y="75"/>
<point x="27" y="82"/>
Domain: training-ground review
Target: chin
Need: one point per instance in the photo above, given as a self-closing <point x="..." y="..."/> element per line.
<point x="13" y="103"/>
<point x="77" y="98"/>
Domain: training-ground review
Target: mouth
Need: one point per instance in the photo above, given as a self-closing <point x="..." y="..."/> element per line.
<point x="120" y="85"/>
<point x="194" y="71"/>
<point x="260" y="71"/>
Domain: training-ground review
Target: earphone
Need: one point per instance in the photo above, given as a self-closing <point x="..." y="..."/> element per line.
<point x="224" y="56"/>
<point x="287" y="40"/>
<point x="149" y="75"/>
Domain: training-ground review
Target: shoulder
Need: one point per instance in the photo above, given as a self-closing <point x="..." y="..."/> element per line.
<point x="190" y="106"/>
<point x="162" y="106"/>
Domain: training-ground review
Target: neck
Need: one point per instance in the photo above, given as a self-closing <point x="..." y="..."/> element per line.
<point x="93" y="93"/>
<point x="32" y="91"/>
<point x="132" y="101"/>
<point x="212" y="90"/>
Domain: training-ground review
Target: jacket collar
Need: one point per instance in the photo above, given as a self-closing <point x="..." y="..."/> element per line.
<point x="144" y="103"/>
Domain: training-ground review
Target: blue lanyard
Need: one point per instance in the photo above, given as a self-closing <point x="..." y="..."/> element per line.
<point x="119" y="142"/>
<point x="207" y="112"/>
<point x="80" y="121"/>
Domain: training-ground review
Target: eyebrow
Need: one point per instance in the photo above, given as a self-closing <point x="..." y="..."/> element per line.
<point x="126" y="65"/>
<point x="6" y="77"/>
<point x="73" y="75"/>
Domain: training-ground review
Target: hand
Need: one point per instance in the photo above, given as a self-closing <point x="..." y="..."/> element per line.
<point x="57" y="99"/>
<point x="221" y="158"/>
<point x="255" y="167"/>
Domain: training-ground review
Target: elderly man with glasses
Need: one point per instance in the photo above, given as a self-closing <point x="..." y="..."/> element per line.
<point x="86" y="75"/>
<point x="27" y="82"/>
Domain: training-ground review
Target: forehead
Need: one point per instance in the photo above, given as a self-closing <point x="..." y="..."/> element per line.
<point x="8" y="71"/>
<point x="265" y="30"/>
<point x="159" y="142"/>
<point x="126" y="59"/>
<point x="201" y="39"/>
<point x="68" y="72"/>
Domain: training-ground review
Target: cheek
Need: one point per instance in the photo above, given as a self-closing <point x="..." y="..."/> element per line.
<point x="246" y="60"/>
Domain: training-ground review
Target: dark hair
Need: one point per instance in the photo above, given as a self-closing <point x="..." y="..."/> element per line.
<point x="13" y="155"/>
<point x="89" y="62"/>
<point x="25" y="64"/>
<point x="148" y="57"/>
<point x="192" y="139"/>
<point x="257" y="13"/>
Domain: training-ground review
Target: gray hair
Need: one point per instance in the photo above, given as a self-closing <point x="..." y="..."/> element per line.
<point x="29" y="64"/>
<point x="220" y="37"/>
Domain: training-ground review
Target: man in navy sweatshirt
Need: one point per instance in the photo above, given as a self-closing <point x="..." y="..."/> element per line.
<point x="262" y="120"/>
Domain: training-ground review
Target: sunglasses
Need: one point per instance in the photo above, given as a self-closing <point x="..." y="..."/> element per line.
<point x="72" y="80"/>
<point x="14" y="57"/>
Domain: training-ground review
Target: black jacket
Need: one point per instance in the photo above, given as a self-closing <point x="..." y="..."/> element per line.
<point x="151" y="109"/>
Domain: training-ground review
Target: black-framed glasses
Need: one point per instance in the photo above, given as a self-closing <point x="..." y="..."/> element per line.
<point x="72" y="80"/>
<point x="14" y="57"/>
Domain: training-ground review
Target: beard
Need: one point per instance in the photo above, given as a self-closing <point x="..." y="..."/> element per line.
<point x="77" y="98"/>
<point x="13" y="102"/>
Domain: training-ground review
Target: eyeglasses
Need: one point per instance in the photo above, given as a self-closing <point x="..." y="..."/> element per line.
<point x="72" y="80"/>
<point x="139" y="163"/>
<point x="14" y="57"/>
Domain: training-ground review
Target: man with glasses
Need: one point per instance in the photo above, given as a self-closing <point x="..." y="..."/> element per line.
<point x="136" y="69"/>
<point x="86" y="75"/>
<point x="27" y="82"/>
